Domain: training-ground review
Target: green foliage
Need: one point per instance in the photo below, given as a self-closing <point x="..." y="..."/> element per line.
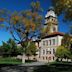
<point x="66" y="41"/>
<point x="19" y="50"/>
<point x="24" y="24"/>
<point x="6" y="49"/>
<point x="1" y="50"/>
<point x="10" y="49"/>
<point x="63" y="52"/>
<point x="63" y="7"/>
<point x="31" y="50"/>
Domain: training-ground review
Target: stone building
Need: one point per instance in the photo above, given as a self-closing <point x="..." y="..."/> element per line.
<point x="48" y="44"/>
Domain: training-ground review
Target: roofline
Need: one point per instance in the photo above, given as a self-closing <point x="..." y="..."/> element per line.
<point x="53" y="35"/>
<point x="50" y="16"/>
<point x="47" y="23"/>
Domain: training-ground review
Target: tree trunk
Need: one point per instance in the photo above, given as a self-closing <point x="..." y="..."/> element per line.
<point x="28" y="58"/>
<point x="23" y="58"/>
<point x="67" y="59"/>
<point x="24" y="55"/>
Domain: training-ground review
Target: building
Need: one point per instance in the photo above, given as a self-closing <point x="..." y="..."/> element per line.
<point x="48" y="44"/>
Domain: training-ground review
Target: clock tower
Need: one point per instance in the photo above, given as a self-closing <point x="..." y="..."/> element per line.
<point x="51" y="23"/>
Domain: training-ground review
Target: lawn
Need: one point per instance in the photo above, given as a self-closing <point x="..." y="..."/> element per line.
<point x="9" y="60"/>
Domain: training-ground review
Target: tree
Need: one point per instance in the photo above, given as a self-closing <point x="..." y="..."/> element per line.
<point x="6" y="49"/>
<point x="31" y="50"/>
<point x="66" y="41"/>
<point x="29" y="23"/>
<point x="19" y="50"/>
<point x="10" y="48"/>
<point x="13" y="47"/>
<point x="63" y="7"/>
<point x="1" y="51"/>
<point x="63" y="52"/>
<point x="24" y="25"/>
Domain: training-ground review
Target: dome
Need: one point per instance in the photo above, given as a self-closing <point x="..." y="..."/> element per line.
<point x="51" y="8"/>
<point x="50" y="13"/>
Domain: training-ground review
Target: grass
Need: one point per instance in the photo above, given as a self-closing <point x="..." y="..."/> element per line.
<point x="9" y="60"/>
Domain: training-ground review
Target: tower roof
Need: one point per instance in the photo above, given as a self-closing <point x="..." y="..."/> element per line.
<point x="51" y="8"/>
<point x="50" y="13"/>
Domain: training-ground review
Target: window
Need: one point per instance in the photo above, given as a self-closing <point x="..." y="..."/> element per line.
<point x="49" y="52"/>
<point x="53" y="58"/>
<point x="39" y="56"/>
<point x="53" y="51"/>
<point x="50" y="42"/>
<point x="43" y="52"/>
<point x="54" y="29"/>
<point x="53" y="41"/>
<point x="46" y="51"/>
<point x="52" y="19"/>
<point x="47" y="42"/>
<point x="46" y="58"/>
<point x="44" y="43"/>
<point x="43" y="58"/>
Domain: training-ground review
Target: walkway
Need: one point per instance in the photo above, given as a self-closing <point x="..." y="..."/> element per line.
<point x="34" y="64"/>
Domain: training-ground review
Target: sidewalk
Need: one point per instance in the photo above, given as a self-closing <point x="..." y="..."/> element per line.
<point x="34" y="64"/>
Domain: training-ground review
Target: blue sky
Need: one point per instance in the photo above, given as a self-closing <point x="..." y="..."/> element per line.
<point x="19" y="5"/>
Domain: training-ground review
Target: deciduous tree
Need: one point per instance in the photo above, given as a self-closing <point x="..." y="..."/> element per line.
<point x="23" y="25"/>
<point x="66" y="41"/>
<point x="63" y="7"/>
<point x="63" y="52"/>
<point x="31" y="50"/>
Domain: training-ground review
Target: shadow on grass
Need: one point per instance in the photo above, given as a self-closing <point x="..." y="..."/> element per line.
<point x="52" y="67"/>
<point x="55" y="67"/>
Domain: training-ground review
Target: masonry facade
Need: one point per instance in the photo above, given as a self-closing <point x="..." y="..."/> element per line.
<point x="48" y="44"/>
